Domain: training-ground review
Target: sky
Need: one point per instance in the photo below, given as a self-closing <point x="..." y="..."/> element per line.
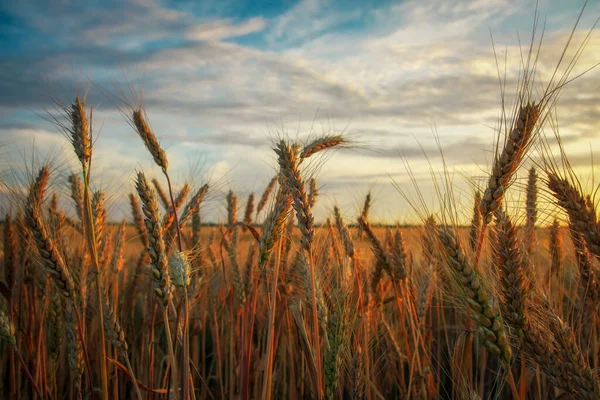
<point x="221" y="81"/>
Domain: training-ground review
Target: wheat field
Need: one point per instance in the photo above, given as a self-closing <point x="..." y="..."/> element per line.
<point x="272" y="304"/>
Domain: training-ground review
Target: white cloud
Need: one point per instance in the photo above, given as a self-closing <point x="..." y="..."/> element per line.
<point x="308" y="18"/>
<point x="224" y="29"/>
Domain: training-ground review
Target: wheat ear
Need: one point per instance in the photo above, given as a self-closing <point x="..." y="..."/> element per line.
<point x="143" y="129"/>
<point x="313" y="192"/>
<point x="238" y="279"/>
<point x="588" y="282"/>
<point x="584" y="380"/>
<point x="488" y="318"/>
<point x="531" y="211"/>
<point x="510" y="263"/>
<point x="77" y="195"/>
<point x="193" y="205"/>
<point x="79" y="131"/>
<point x="381" y="255"/>
<point x="582" y="216"/>
<point x="274" y="227"/>
<point x="288" y="163"/>
<point x="249" y="209"/>
<point x="475" y="222"/>
<point x="162" y="195"/>
<point x="49" y="255"/>
<point x="320" y="144"/>
<point x="343" y="232"/>
<point x="156" y="248"/>
<point x="507" y="163"/>
<point x="266" y="194"/>
<point x="556" y="248"/>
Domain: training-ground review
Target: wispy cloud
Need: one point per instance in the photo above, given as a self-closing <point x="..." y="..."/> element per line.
<point x="224" y="29"/>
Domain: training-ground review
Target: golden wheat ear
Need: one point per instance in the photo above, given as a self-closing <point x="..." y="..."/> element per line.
<point x="50" y="258"/>
<point x="531" y="211"/>
<point x="582" y="215"/>
<point x="288" y="163"/>
<point x="556" y="248"/>
<point x="232" y="208"/>
<point x="320" y="144"/>
<point x="149" y="139"/>
<point x="162" y="195"/>
<point x="193" y="206"/>
<point x="75" y="356"/>
<point x="475" y="222"/>
<point x="77" y="195"/>
<point x="79" y="132"/>
<point x="510" y="263"/>
<point x="266" y="194"/>
<point x="477" y="296"/>
<point x="589" y="286"/>
<point x="384" y="262"/>
<point x="343" y="232"/>
<point x="274" y="227"/>
<point x="156" y="249"/>
<point x="249" y="209"/>
<point x="231" y="246"/>
<point x="508" y="161"/>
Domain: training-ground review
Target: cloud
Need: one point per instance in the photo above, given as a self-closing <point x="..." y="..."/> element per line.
<point x="224" y="29"/>
<point x="223" y="86"/>
<point x="308" y="18"/>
